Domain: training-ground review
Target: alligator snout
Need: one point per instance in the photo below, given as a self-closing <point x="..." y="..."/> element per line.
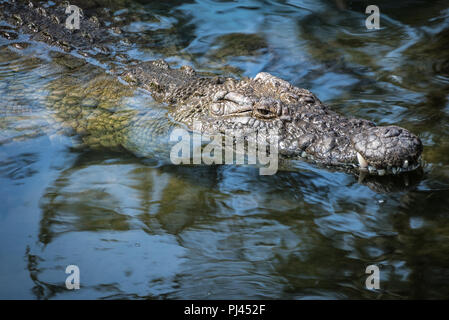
<point x="388" y="148"/>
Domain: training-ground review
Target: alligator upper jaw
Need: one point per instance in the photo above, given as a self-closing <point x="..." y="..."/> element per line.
<point x="383" y="150"/>
<point x="388" y="149"/>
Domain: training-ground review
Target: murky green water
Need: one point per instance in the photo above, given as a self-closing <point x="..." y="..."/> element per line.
<point x="143" y="229"/>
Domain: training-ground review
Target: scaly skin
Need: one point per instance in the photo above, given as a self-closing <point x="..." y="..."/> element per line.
<point x="304" y="126"/>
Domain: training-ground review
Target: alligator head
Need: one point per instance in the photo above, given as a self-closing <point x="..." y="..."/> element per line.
<point x="304" y="126"/>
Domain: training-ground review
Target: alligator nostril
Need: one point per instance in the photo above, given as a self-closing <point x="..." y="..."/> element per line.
<point x="392" y="132"/>
<point x="309" y="99"/>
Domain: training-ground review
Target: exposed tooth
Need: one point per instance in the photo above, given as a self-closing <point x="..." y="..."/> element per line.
<point x="304" y="154"/>
<point x="381" y="172"/>
<point x="405" y="165"/>
<point x="371" y="169"/>
<point x="363" y="163"/>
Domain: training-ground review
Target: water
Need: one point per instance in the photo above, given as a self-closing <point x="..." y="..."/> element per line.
<point x="141" y="229"/>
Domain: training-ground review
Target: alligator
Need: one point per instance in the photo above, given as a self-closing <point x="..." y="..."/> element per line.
<point x="305" y="127"/>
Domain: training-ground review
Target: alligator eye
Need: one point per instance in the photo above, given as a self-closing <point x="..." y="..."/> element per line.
<point x="264" y="113"/>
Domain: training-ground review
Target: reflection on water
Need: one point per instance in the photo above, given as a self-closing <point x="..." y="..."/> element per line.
<point x="138" y="228"/>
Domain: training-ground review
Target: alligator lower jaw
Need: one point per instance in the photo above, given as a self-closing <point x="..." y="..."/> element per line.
<point x="364" y="166"/>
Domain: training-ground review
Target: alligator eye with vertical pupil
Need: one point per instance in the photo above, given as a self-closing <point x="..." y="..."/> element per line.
<point x="264" y="113"/>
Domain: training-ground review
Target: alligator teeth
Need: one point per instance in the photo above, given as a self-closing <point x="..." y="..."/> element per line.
<point x="405" y="166"/>
<point x="362" y="162"/>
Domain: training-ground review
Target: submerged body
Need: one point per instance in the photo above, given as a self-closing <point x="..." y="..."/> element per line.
<point x="304" y="126"/>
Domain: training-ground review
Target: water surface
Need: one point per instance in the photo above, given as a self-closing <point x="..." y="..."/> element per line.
<point x="143" y="229"/>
